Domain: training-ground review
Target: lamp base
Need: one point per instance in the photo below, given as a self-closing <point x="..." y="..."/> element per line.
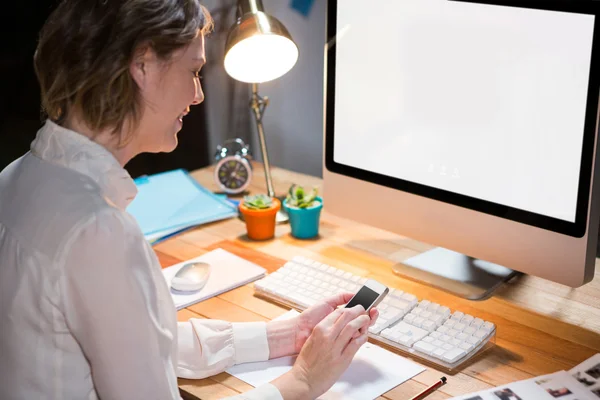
<point x="282" y="215"/>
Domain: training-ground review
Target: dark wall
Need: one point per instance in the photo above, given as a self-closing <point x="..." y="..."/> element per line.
<point x="20" y="113"/>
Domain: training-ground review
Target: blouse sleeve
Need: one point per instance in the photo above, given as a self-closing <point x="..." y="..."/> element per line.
<point x="208" y="347"/>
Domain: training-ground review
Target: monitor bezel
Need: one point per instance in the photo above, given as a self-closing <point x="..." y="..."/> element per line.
<point x="578" y="228"/>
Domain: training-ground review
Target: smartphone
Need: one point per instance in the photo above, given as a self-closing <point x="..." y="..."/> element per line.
<point x="369" y="295"/>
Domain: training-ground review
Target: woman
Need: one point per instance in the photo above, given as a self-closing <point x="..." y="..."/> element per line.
<point x="84" y="308"/>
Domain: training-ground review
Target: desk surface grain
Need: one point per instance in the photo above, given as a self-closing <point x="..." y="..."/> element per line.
<point x="543" y="327"/>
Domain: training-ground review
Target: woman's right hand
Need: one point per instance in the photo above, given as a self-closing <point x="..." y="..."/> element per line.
<point x="326" y="354"/>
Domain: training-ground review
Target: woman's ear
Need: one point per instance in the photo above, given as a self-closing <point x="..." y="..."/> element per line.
<point x="140" y="66"/>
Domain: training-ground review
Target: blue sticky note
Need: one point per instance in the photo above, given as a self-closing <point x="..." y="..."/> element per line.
<point x="302" y="6"/>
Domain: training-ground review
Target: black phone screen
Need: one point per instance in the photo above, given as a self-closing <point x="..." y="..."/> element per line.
<point x="364" y="297"/>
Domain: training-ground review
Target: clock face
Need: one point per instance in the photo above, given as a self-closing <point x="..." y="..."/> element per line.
<point x="233" y="174"/>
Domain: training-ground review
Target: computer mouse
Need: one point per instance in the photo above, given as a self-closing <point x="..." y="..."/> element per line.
<point x="191" y="277"/>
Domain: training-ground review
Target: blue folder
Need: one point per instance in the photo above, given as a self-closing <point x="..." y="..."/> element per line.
<point x="172" y="201"/>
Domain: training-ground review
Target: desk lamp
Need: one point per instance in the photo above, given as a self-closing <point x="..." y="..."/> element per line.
<point x="259" y="49"/>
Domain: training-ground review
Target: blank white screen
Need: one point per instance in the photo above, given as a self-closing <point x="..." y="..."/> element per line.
<point x="481" y="100"/>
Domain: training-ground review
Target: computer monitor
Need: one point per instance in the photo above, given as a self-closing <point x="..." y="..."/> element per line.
<point x="471" y="126"/>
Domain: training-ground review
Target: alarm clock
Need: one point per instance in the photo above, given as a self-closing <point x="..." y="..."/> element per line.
<point x="233" y="171"/>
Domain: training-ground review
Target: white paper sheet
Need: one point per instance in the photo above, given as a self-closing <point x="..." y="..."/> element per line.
<point x="373" y="371"/>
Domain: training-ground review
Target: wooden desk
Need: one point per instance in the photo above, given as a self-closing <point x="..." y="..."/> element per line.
<point x="543" y="327"/>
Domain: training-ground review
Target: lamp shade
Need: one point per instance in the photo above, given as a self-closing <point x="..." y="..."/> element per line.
<point x="258" y="48"/>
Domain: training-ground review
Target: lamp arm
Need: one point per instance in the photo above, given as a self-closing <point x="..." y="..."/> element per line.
<point x="258" y="105"/>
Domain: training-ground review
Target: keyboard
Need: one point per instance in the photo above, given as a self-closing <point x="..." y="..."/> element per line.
<point x="428" y="331"/>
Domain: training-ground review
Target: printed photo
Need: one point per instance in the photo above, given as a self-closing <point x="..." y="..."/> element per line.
<point x="594" y="372"/>
<point x="596" y="392"/>
<point x="474" y="398"/>
<point x="506" y="394"/>
<point x="583" y="378"/>
<point x="558" y="392"/>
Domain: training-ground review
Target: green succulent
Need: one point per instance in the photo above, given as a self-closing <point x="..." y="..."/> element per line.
<point x="298" y="197"/>
<point x="258" y="202"/>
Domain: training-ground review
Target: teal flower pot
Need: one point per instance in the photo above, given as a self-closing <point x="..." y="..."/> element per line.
<point x="304" y="221"/>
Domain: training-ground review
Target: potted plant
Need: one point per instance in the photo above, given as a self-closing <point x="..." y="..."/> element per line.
<point x="304" y="210"/>
<point x="259" y="213"/>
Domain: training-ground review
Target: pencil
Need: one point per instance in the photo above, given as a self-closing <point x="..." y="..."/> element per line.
<point x="430" y="389"/>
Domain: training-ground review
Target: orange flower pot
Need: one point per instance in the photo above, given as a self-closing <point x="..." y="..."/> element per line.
<point x="260" y="224"/>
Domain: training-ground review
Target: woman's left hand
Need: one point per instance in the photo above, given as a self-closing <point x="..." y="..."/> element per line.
<point x="309" y="318"/>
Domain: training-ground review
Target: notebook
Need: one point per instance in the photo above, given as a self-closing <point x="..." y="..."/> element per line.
<point x="172" y="201"/>
<point x="228" y="272"/>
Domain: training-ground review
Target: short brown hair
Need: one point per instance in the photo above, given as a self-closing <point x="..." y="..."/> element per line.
<point x="86" y="46"/>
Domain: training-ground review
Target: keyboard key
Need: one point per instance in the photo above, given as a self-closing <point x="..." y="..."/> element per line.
<point x="454" y="355"/>
<point x="444" y="311"/>
<point x="438" y="319"/>
<point x="376" y="328"/>
<point x="433" y="307"/>
<point x="457" y="316"/>
<point x="470" y="330"/>
<point x="424" y="347"/>
<point x="477" y="322"/>
<point x="438" y="343"/>
<point x="488" y="326"/>
<point x="428" y="339"/>
<point x="467" y="319"/>
<point x="429" y="325"/>
<point x="450" y="323"/>
<point x="445" y="338"/>
<point x="474" y="340"/>
<point x="459" y="326"/>
<point x="406" y="340"/>
<point x="418" y="322"/>
<point x="481" y="334"/>
<point x="410" y="298"/>
<point x="443" y="329"/>
<point x="438" y="353"/>
<point x="466" y="346"/>
<point x="392" y="314"/>
<point x="435" y="335"/>
<point x="452" y="332"/>
<point x="447" y="346"/>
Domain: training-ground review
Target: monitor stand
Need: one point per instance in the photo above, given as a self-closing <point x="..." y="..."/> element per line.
<point x="456" y="273"/>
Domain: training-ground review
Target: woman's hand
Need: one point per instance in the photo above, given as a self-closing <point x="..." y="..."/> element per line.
<point x="326" y="354"/>
<point x="306" y="322"/>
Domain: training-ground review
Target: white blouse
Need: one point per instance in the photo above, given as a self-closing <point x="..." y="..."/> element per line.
<point x="85" y="312"/>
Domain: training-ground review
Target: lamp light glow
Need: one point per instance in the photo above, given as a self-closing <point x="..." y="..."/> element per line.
<point x="261" y="58"/>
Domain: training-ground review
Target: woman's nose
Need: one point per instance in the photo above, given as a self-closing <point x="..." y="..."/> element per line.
<point x="198" y="94"/>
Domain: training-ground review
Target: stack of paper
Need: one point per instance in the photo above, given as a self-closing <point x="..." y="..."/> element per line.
<point x="172" y="201"/>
